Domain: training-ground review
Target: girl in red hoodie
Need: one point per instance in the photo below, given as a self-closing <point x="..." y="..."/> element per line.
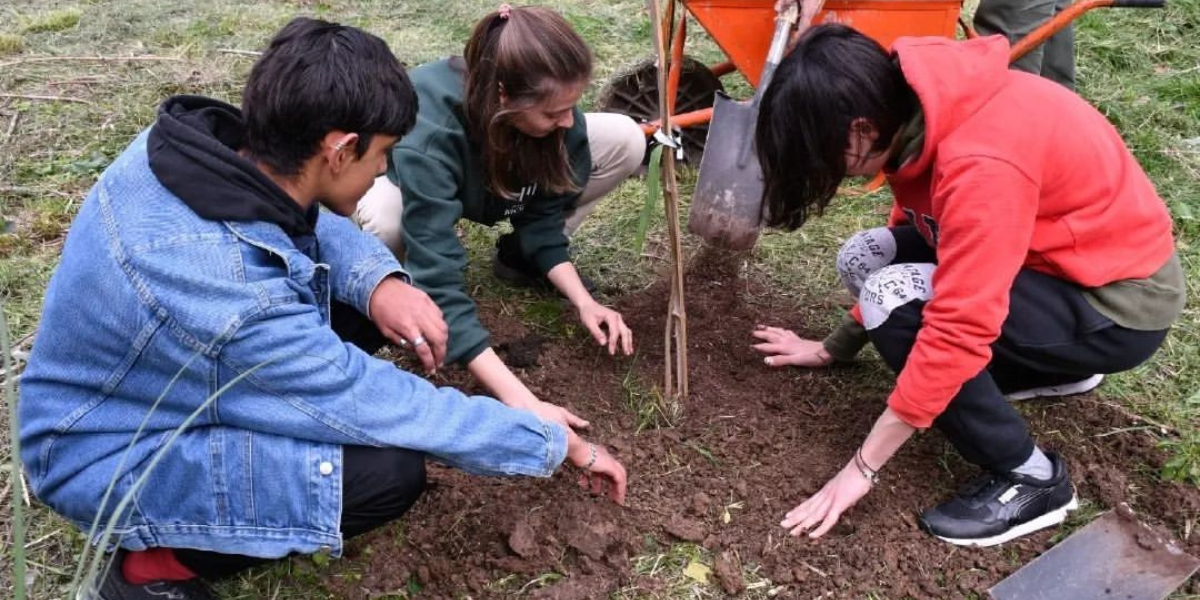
<point x="1027" y="255"/>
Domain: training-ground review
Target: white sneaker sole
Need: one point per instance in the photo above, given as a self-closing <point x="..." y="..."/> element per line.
<point x="1049" y="519"/>
<point x="1067" y="389"/>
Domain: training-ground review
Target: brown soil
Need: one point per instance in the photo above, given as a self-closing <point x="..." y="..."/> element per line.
<point x="751" y="443"/>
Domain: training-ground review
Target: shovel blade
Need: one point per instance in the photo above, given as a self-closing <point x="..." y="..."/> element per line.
<point x="1115" y="556"/>
<point x="726" y="206"/>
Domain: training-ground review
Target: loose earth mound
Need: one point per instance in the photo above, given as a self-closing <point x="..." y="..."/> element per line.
<point x="749" y="444"/>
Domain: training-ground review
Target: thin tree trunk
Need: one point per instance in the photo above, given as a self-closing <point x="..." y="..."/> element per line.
<point x="675" y="334"/>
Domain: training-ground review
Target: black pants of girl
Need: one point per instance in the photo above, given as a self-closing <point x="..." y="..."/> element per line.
<point x="1052" y="335"/>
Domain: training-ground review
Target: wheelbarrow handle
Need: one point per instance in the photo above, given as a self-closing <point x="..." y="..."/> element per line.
<point x="1069" y="14"/>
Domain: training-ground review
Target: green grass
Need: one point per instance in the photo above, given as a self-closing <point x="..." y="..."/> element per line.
<point x="55" y="20"/>
<point x="647" y="404"/>
<point x="684" y="570"/>
<point x="11" y="43"/>
<point x="1141" y="68"/>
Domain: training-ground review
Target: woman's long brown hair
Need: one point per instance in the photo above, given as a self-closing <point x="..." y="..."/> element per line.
<point x="532" y="54"/>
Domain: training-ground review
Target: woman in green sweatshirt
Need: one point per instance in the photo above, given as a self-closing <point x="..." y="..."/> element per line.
<point x="498" y="136"/>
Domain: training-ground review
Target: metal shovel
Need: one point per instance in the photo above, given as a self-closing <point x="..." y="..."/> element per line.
<point x="1114" y="557"/>
<point x="727" y="208"/>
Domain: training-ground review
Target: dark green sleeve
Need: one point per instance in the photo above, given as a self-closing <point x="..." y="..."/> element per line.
<point x="434" y="256"/>
<point x="845" y="341"/>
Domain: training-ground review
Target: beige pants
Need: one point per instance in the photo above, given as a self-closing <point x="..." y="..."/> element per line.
<point x="617" y="145"/>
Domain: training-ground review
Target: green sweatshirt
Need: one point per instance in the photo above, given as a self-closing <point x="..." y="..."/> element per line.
<point x="440" y="173"/>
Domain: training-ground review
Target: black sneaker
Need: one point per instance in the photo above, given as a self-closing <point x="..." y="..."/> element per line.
<point x="114" y="587"/>
<point x="509" y="265"/>
<point x="997" y="508"/>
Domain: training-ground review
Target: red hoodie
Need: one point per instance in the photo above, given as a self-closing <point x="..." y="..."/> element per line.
<point x="1016" y="171"/>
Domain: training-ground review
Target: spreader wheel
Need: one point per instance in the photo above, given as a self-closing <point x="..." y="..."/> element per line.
<point x="635" y="93"/>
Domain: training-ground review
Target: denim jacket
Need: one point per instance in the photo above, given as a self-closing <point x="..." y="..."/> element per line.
<point x="151" y="301"/>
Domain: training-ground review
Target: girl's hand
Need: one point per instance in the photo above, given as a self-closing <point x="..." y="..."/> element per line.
<point x="556" y="414"/>
<point x="824" y="508"/>
<point x="601" y="472"/>
<point x="783" y="347"/>
<point x="607" y="327"/>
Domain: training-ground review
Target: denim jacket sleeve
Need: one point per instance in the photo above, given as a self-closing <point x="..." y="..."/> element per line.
<point x="306" y="383"/>
<point x="358" y="261"/>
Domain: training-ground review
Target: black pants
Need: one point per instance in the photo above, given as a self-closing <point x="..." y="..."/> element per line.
<point x="378" y="484"/>
<point x="1052" y="335"/>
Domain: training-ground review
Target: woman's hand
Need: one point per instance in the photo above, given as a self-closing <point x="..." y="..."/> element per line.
<point x="557" y="414"/>
<point x="607" y="327"/>
<point x="824" y="508"/>
<point x="783" y="347"/>
<point x="602" y="474"/>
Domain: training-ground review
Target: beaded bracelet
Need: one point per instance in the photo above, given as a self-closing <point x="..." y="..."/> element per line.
<point x="592" y="460"/>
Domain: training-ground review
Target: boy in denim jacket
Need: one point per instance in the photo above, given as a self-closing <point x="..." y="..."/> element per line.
<point x="206" y="343"/>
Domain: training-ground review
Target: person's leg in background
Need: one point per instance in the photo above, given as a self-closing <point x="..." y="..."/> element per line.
<point x="380" y="212"/>
<point x="1015" y="19"/>
<point x="1059" y="61"/>
<point x="617" y="146"/>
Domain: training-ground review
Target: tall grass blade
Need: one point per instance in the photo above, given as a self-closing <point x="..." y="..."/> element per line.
<point x="112" y="483"/>
<point x="14" y="473"/>
<point x="653" y="190"/>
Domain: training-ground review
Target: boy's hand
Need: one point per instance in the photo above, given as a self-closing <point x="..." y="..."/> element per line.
<point x="410" y="319"/>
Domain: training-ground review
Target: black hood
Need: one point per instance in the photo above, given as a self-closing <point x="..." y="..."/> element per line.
<point x="193" y="148"/>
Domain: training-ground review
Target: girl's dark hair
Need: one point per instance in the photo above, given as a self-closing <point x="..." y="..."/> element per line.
<point x="532" y="54"/>
<point x="316" y="77"/>
<point x="833" y="76"/>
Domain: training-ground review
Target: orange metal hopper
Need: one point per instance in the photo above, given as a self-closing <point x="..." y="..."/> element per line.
<point x="742" y="28"/>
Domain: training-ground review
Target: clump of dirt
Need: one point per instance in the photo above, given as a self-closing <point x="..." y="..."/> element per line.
<point x="685" y="529"/>
<point x="523" y="540"/>
<point x="522" y="353"/>
<point x="729" y="574"/>
<point x="752" y="443"/>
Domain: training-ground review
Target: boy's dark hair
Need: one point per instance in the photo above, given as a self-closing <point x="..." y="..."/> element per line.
<point x="315" y="77"/>
<point x="532" y="53"/>
<point x="833" y="76"/>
